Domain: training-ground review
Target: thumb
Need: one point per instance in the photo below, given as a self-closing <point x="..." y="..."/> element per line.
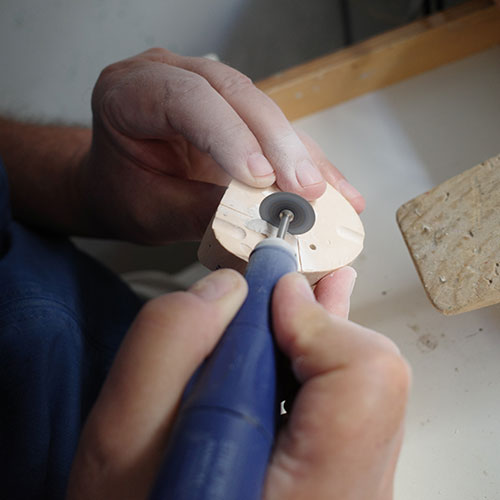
<point x="343" y="436"/>
<point x="125" y="435"/>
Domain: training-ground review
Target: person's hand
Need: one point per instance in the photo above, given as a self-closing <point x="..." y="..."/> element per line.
<point x="169" y="131"/>
<point x="343" y="436"/>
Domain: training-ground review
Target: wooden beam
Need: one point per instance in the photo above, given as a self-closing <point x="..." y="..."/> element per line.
<point x="386" y="59"/>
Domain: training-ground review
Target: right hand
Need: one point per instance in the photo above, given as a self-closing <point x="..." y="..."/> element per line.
<point x="343" y="436"/>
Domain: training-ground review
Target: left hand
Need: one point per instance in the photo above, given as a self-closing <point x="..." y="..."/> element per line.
<point x="170" y="131"/>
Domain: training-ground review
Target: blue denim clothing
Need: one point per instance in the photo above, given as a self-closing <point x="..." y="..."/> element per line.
<point x="62" y="317"/>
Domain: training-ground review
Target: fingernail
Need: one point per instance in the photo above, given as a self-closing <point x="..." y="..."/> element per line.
<point x="308" y="174"/>
<point x="216" y="285"/>
<point x="303" y="287"/>
<point x="354" y="275"/>
<point x="259" y="166"/>
<point x="347" y="190"/>
<point x="350" y="281"/>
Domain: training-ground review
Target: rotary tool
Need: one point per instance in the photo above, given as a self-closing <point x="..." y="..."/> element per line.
<point x="223" y="435"/>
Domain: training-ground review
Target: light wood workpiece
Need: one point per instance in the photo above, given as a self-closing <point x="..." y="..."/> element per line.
<point x="335" y="239"/>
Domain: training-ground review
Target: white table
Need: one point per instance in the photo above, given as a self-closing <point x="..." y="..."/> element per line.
<point x="394" y="144"/>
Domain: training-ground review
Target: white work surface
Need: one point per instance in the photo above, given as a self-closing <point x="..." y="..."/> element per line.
<point x="392" y="145"/>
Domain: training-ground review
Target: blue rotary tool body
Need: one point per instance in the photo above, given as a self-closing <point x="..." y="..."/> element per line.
<point x="222" y="439"/>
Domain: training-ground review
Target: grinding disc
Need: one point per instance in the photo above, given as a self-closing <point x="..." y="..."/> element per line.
<point x="303" y="213"/>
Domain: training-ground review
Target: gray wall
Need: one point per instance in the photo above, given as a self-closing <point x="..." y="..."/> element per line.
<point x="52" y="50"/>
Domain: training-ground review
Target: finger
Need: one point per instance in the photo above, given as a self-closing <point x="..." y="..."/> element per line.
<point x="302" y="325"/>
<point x="331" y="174"/>
<point x="175" y="210"/>
<point x="387" y="484"/>
<point x="151" y="207"/>
<point x="203" y="168"/>
<point x="295" y="169"/>
<point x="154" y="100"/>
<point x="344" y="428"/>
<point x="124" y="437"/>
<point x="334" y="291"/>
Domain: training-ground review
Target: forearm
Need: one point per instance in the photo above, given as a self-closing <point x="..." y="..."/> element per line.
<point x="42" y="163"/>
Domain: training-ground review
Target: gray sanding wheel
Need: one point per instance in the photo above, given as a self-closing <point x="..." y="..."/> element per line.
<point x="303" y="213"/>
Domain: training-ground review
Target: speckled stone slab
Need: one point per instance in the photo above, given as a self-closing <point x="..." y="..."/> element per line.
<point x="453" y="235"/>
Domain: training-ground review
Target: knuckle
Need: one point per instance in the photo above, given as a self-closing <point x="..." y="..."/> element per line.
<point x="385" y="343"/>
<point x="110" y="69"/>
<point x="107" y="104"/>
<point x="286" y="145"/>
<point x="389" y="369"/>
<point x="381" y="388"/>
<point x="386" y="379"/>
<point x="175" y="300"/>
<point x="308" y="323"/>
<point x="235" y="83"/>
<point x="116" y="68"/>
<point x="185" y="86"/>
<point x="155" y="307"/>
<point x="102" y="85"/>
<point x="234" y="131"/>
<point x="162" y="313"/>
<point x="110" y="80"/>
<point x="156" y="53"/>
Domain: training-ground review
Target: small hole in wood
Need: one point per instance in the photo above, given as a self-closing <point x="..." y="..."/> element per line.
<point x="312" y="246"/>
<point x="447" y="196"/>
<point x="490" y="281"/>
<point x="471" y="234"/>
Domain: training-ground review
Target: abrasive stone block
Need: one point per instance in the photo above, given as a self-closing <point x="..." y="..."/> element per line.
<point x="453" y="235"/>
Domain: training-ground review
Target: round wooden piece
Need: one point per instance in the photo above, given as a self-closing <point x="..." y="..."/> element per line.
<point x="334" y="241"/>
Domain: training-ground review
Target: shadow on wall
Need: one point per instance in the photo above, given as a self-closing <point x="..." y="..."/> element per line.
<point x="284" y="33"/>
